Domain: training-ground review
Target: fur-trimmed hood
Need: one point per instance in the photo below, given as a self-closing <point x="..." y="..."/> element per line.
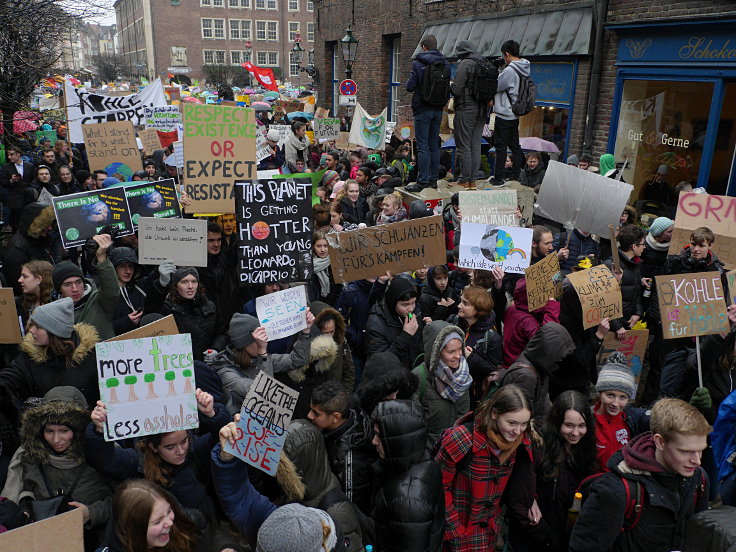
<point x="322" y="353"/>
<point x="84" y="335"/>
<point x="433" y="336"/>
<point x="35" y="218"/>
<point x="321" y="311"/>
<point x="384" y="374"/>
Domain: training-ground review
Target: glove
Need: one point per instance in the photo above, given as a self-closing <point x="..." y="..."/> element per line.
<point x="701" y="399"/>
<point x="210" y="355"/>
<point x="165" y="270"/>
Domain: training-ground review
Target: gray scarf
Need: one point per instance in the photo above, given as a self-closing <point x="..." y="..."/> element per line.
<point x="320" y="270"/>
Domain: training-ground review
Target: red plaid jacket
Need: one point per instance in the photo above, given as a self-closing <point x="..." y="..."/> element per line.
<point x="473" y="488"/>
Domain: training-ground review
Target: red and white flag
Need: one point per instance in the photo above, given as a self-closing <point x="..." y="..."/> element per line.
<point x="263" y="75"/>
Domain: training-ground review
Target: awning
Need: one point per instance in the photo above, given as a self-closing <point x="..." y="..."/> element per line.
<point x="553" y="33"/>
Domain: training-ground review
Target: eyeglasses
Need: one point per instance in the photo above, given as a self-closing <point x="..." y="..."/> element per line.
<point x="642" y="244"/>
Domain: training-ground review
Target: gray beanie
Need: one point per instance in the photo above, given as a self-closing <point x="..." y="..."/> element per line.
<point x="573" y="160"/>
<point x="56" y="318"/>
<point x="183" y="272"/>
<point x="616" y="376"/>
<point x="240" y="330"/>
<point x="296" y="528"/>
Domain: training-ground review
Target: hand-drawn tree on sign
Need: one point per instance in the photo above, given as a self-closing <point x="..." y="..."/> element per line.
<point x="170" y="377"/>
<point x="149" y="379"/>
<point x="188" y="385"/>
<point x="130" y="381"/>
<point x="111" y="384"/>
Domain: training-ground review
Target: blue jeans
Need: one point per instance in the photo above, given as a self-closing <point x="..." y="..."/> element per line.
<point x="427" y="133"/>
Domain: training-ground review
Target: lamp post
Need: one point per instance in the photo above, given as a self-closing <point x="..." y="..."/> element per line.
<point x="349" y="48"/>
<point x="249" y="52"/>
<point x="297" y="56"/>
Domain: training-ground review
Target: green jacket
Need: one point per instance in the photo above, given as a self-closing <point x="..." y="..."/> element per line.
<point x="97" y="305"/>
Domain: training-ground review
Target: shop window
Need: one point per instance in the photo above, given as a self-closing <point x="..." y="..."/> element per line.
<point x="723" y="153"/>
<point x="548" y="123"/>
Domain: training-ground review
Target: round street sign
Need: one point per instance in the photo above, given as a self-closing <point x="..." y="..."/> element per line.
<point x="348" y="88"/>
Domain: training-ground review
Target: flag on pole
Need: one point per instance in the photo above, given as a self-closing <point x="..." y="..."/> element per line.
<point x="263" y="75"/>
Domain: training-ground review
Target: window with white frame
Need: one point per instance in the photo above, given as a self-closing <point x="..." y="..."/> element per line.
<point x="293" y="30"/>
<point x="239" y="29"/>
<point x="213" y="28"/>
<point x="267" y="30"/>
<point x="293" y="65"/>
<point x="266" y="5"/>
<point x="310" y="5"/>
<point x="267" y="58"/>
<point x="218" y="3"/>
<point x="293" y="5"/>
<point x="239" y="56"/>
<point x="205" y="3"/>
<point x="239" y="3"/>
<point x="260" y="4"/>
<point x="213" y="57"/>
<point x="395" y="84"/>
<point x="310" y="32"/>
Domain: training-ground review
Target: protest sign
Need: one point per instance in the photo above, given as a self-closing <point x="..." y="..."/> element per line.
<point x="45" y="197"/>
<point x="264" y="418"/>
<point x="181" y="241"/>
<point x="731" y="280"/>
<point x="275" y="228"/>
<point x="9" y="321"/>
<point x="81" y="216"/>
<point x="343" y="141"/>
<point x="404" y="128"/>
<point x="321" y="113"/>
<point x="283" y="313"/>
<point x="155" y="377"/>
<point x="288" y="106"/>
<point x="718" y="213"/>
<point x="111" y="147"/>
<point x="149" y="140"/>
<point x="368" y="131"/>
<point x="62" y="533"/>
<point x="633" y="346"/>
<point x="283" y="130"/>
<point x="326" y="129"/>
<point x="540" y="283"/>
<point x="496" y="207"/>
<point x="486" y="246"/>
<point x="50" y="134"/>
<point x="525" y="201"/>
<point x="396" y="247"/>
<point x="163" y="326"/>
<point x="599" y="294"/>
<point x="165" y="117"/>
<point x="87" y="108"/>
<point x="390" y="125"/>
<point x="263" y="150"/>
<point x="219" y="148"/>
<point x="581" y="199"/>
<point x="153" y="199"/>
<point x="692" y="304"/>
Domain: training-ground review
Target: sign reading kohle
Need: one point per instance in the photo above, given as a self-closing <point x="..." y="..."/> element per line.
<point x="692" y="304"/>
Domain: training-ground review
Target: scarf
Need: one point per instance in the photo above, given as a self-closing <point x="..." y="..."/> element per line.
<point x="654" y="244"/>
<point x="504" y="448"/>
<point x="320" y="270"/>
<point x="452" y="385"/>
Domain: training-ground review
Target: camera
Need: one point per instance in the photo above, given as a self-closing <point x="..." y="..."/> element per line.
<point x="498" y="62"/>
<point x="90" y="246"/>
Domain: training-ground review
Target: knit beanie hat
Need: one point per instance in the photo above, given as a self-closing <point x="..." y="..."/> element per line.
<point x="573" y="160"/>
<point x="56" y="318"/>
<point x="273" y="135"/>
<point x="120" y="255"/>
<point x="110" y="182"/>
<point x="659" y="225"/>
<point x="616" y="376"/>
<point x="296" y="528"/>
<point x="662" y="169"/>
<point x="240" y="330"/>
<point x="329" y="179"/>
<point x="182" y="272"/>
<point x="64" y="270"/>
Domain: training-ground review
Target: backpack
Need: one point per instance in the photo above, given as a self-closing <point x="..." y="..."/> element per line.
<point x="483" y="82"/>
<point x="527" y="95"/>
<point x="434" y="87"/>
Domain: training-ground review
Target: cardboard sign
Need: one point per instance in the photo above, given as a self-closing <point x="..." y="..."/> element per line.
<point x="164" y="326"/>
<point x="81" y="216"/>
<point x="166" y="117"/>
<point x="275" y="228"/>
<point x="599" y="293"/>
<point x="181" y="241"/>
<point x="153" y="199"/>
<point x="497" y="207"/>
<point x="396" y="247"/>
<point x="9" y="321"/>
<point x="540" y="283"/>
<point x="283" y="313"/>
<point x="321" y="113"/>
<point x="147" y="385"/>
<point x="62" y="533"/>
<point x="731" y="280"/>
<point x="326" y="129"/>
<point x="404" y="128"/>
<point x="343" y="141"/>
<point x="525" y="199"/>
<point x="486" y="246"/>
<point x="111" y="147"/>
<point x="285" y="106"/>
<point x="633" y="346"/>
<point x="219" y="148"/>
<point x="692" y="305"/>
<point x="149" y="140"/>
<point x="718" y="213"/>
<point x="264" y="417"/>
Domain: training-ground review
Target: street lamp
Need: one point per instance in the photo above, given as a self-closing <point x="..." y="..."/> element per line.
<point x="349" y="49"/>
<point x="297" y="52"/>
<point x="297" y="56"/>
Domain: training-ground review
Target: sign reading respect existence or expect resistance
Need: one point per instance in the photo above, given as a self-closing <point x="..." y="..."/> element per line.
<point x="396" y="247"/>
<point x="692" y="304"/>
<point x="219" y="148"/>
<point x="599" y="294"/>
<point x="147" y="385"/>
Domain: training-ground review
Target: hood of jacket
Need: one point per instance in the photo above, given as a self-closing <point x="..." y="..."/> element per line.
<point x="61" y="406"/>
<point x="550" y="344"/>
<point x="120" y="255"/>
<point x="606" y="163"/>
<point x="403" y="433"/>
<point x="697" y="264"/>
<point x="322" y="353"/>
<point x="398" y="287"/>
<point x="464" y="49"/>
<point x="431" y="287"/>
<point x="432" y="337"/>
<point x="34" y="219"/>
<point x="429" y="57"/>
<point x="321" y="311"/>
<point x="521" y="300"/>
<point x="384" y="374"/>
<point x="522" y="66"/>
<point x="639" y="455"/>
<point x="85" y="336"/>
<point x="419" y="209"/>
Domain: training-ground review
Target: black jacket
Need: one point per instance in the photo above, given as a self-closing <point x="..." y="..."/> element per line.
<point x="487" y="345"/>
<point x="532" y="177"/>
<point x="409" y="502"/>
<point x="383" y="374"/>
<point x="354" y="213"/>
<point x="652" y="260"/>
<point x="220" y="287"/>
<point x="630" y="290"/>
<point x="431" y="296"/>
<point x="16" y="191"/>
<point x="418" y="67"/>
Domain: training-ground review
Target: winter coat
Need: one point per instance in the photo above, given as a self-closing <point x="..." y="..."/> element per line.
<point x="409" y="501"/>
<point x="37" y="187"/>
<point x="97" y="305"/>
<point x="520" y="325"/>
<point x="384" y="374"/>
<point x="669" y="502"/>
<point x="440" y="413"/>
<point x="9" y="424"/>
<point x="719" y="381"/>
<point x="354" y="212"/>
<point x="508" y="88"/>
<point x="421" y="61"/>
<point x="538" y="363"/>
<point x="314" y="289"/>
<point x="474" y="481"/>
<point x="352" y="303"/>
<point x="218" y="279"/>
<point x="296" y="148"/>
<point x="27" y="243"/>
<point x="630" y="290"/>
<point x="342" y="368"/>
<point x="431" y="296"/>
<point x="237" y="380"/>
<point x="351" y="453"/>
<point x="133" y="294"/>
<point x="16" y="191"/>
<point x="723" y="438"/>
<point x="653" y="258"/>
<point x="36" y="370"/>
<point x="579" y="245"/>
<point x="304" y="476"/>
<point x="532" y="178"/>
<point x="613" y="432"/>
<point x="486" y="342"/>
<point x="461" y="84"/>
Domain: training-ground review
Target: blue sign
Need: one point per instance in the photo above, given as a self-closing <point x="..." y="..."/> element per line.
<point x="554" y="80"/>
<point x="691" y="45"/>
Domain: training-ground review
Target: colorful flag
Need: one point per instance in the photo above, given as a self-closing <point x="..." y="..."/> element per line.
<point x="368" y="131"/>
<point x="263" y="75"/>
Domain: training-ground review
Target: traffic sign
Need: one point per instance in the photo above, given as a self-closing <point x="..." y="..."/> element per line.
<point x="348" y="87"/>
<point x="348" y="100"/>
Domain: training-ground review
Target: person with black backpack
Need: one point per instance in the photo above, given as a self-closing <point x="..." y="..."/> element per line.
<point x="430" y="82"/>
<point x="473" y="89"/>
<point x="515" y="97"/>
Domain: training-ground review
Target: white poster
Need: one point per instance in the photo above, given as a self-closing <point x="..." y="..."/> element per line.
<point x="181" y="241"/>
<point x="486" y="246"/>
<point x="167" y="117"/>
<point x="263" y="150"/>
<point x="368" y="131"/>
<point x="283" y="313"/>
<point x="326" y="129"/>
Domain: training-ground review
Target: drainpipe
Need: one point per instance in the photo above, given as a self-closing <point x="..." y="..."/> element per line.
<point x="595" y="77"/>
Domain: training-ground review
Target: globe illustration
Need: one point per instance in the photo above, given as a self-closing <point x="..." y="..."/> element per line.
<point x="120" y="168"/>
<point x="496" y="244"/>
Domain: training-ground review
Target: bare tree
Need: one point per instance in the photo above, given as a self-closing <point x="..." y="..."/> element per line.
<point x="109" y="66"/>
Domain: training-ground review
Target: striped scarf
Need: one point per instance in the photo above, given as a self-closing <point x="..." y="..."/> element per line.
<point x="452" y="385"/>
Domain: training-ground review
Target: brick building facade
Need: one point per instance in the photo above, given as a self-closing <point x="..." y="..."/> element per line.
<point x="389" y="34"/>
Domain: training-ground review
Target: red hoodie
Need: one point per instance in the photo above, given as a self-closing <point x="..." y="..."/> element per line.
<point x="611" y="433"/>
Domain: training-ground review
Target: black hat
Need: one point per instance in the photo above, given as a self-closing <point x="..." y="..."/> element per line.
<point x="64" y="270"/>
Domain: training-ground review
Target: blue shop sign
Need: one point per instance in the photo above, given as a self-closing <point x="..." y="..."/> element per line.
<point x="696" y="45"/>
<point x="554" y="80"/>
